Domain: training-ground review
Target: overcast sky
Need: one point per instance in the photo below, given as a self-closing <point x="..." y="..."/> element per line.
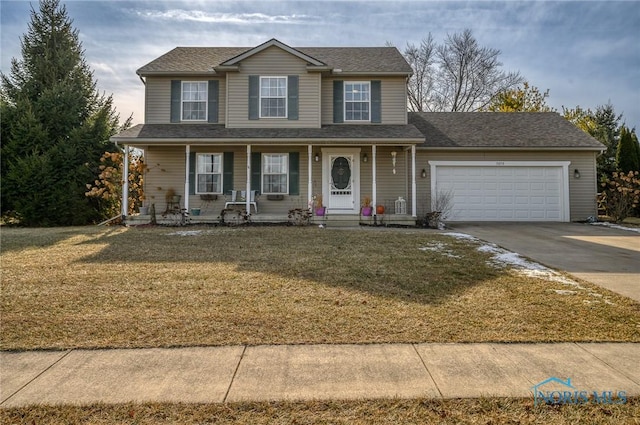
<point x="585" y="53"/>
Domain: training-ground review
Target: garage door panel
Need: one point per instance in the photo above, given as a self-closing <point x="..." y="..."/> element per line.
<point x="508" y="193"/>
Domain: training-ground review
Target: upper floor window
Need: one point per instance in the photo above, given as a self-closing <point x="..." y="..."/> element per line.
<point x="273" y="97"/>
<point x="275" y="173"/>
<point x="194" y="101"/>
<point x="357" y="100"/>
<point x="209" y="173"/>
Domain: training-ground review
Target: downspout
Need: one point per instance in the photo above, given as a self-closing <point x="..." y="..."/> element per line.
<point x="310" y="176"/>
<point x="186" y="177"/>
<point x="374" y="184"/>
<point x="125" y="183"/>
<point x="414" y="190"/>
<point x="247" y="198"/>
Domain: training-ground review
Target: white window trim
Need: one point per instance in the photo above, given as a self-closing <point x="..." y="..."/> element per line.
<point x="344" y="100"/>
<point x="286" y="96"/>
<point x="197" y="192"/>
<point x="206" y="101"/>
<point x="262" y="174"/>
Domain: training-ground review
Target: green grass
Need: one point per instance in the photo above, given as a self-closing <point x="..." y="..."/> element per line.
<point x="97" y="287"/>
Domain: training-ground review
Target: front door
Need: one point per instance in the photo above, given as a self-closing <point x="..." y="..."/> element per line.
<point x="341" y="180"/>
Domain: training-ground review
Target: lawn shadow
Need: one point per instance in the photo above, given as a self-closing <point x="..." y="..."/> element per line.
<point x="394" y="264"/>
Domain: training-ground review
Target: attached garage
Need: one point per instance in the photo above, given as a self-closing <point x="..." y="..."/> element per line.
<point x="503" y="190"/>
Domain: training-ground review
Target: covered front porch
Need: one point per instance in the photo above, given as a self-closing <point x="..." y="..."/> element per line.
<point x="338" y="178"/>
<point x="197" y="169"/>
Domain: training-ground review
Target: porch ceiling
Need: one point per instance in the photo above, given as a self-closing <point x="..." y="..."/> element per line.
<point x="170" y="134"/>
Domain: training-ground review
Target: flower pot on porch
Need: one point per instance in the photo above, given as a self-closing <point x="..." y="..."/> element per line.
<point x="143" y="210"/>
<point x="367" y="211"/>
<point x="320" y="211"/>
<point x="195" y="211"/>
<point x="380" y="209"/>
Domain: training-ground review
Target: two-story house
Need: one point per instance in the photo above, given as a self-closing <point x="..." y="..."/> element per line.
<point x="295" y="124"/>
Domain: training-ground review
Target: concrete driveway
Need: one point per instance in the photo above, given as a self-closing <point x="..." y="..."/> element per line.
<point x="607" y="257"/>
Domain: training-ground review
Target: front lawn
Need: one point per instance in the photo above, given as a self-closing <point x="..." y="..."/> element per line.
<point x="95" y="287"/>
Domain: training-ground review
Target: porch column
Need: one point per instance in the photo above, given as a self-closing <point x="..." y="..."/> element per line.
<point x="414" y="191"/>
<point x="374" y="184"/>
<point x="247" y="198"/>
<point x="187" y="152"/>
<point x="125" y="182"/>
<point x="309" y="176"/>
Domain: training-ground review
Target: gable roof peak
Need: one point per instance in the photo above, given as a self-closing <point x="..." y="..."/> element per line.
<point x="266" y="45"/>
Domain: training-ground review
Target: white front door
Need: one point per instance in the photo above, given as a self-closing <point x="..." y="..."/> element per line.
<point x="341" y="180"/>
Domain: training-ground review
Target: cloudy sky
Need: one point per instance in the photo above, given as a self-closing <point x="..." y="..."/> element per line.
<point x="585" y="53"/>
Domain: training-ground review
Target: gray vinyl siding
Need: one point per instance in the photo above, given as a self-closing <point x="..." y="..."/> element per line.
<point x="158" y="99"/>
<point x="394" y="98"/>
<point x="167" y="170"/>
<point x="582" y="191"/>
<point x="273" y="62"/>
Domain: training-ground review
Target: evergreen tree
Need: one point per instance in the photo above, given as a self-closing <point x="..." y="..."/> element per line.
<point x="627" y="152"/>
<point x="55" y="125"/>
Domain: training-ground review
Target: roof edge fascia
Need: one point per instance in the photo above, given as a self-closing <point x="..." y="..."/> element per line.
<point x="510" y="148"/>
<point x="270" y="43"/>
<point x="259" y="141"/>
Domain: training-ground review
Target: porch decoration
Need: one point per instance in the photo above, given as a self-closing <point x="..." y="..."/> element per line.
<point x="319" y="208"/>
<point x="367" y="209"/>
<point x="394" y="154"/>
<point x="401" y="206"/>
<point x="380" y="209"/>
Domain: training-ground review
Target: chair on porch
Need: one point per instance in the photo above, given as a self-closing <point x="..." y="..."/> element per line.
<point x="234" y="200"/>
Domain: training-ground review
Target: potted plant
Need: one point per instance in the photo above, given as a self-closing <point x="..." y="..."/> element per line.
<point x="367" y="209"/>
<point x="319" y="208"/>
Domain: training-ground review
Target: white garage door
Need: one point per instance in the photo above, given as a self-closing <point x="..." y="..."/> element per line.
<point x="507" y="192"/>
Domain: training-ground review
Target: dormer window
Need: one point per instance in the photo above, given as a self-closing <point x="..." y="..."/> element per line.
<point x="194" y="101"/>
<point x="357" y="100"/>
<point x="273" y="97"/>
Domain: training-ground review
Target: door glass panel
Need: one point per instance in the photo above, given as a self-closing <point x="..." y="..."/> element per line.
<point x="341" y="176"/>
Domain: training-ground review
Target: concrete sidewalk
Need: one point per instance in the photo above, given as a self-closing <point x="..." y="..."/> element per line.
<point x="303" y="372"/>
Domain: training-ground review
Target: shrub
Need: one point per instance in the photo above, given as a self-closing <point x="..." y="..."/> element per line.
<point x="621" y="194"/>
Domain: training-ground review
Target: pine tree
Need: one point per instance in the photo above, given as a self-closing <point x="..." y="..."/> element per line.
<point x="55" y="125"/>
<point x="627" y="152"/>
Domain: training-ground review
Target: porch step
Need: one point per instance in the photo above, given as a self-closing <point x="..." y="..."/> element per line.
<point x="331" y="220"/>
<point x="350" y="220"/>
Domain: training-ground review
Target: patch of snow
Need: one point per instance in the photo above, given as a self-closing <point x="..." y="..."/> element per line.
<point x="461" y="236"/>
<point x="186" y="233"/>
<point x="440" y="248"/>
<point x="564" y="292"/>
<point x="616" y="226"/>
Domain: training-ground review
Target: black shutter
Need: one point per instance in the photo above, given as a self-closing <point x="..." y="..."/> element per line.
<point x="254" y="97"/>
<point x="256" y="171"/>
<point x="227" y="172"/>
<point x="176" y="96"/>
<point x="376" y="101"/>
<point x="192" y="173"/>
<point x="292" y="95"/>
<point x="338" y="101"/>
<point x="294" y="173"/>
<point x="214" y="90"/>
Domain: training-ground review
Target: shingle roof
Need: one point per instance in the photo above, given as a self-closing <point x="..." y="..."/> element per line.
<point x="211" y="133"/>
<point x="348" y="59"/>
<point x="500" y="130"/>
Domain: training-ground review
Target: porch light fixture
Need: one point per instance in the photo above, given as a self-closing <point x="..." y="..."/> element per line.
<point x="424" y="173"/>
<point x="394" y="154"/>
<point x="317" y="157"/>
<point x="576" y="173"/>
<point x="365" y="158"/>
